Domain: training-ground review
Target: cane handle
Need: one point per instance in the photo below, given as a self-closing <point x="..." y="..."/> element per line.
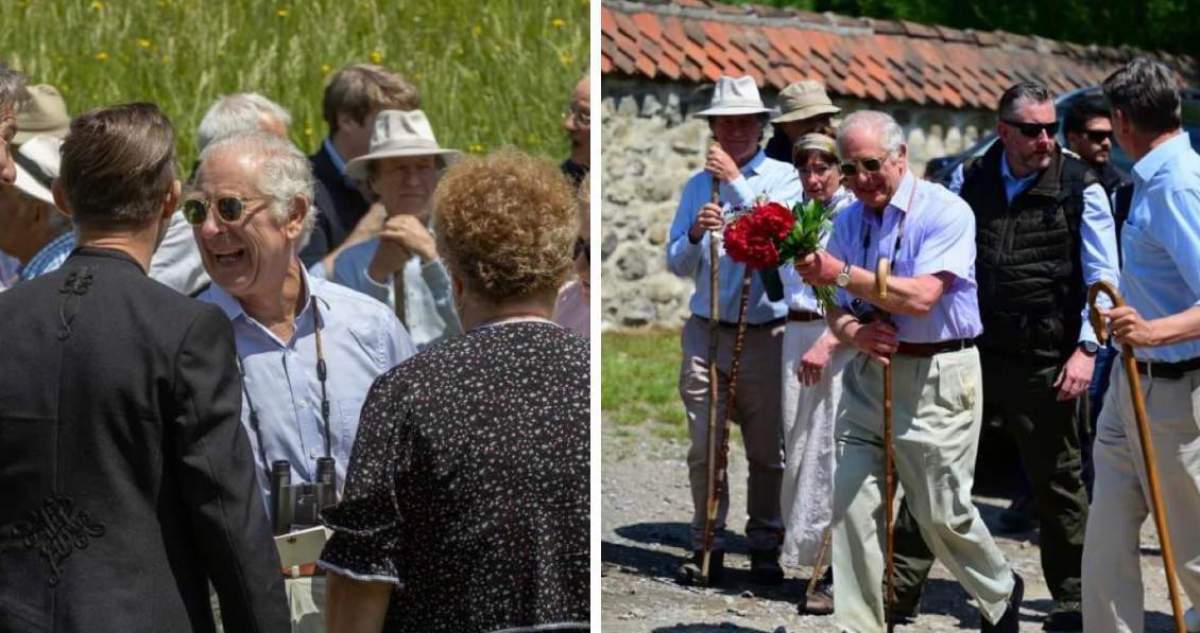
<point x="1094" y="313"/>
<point x="882" y="271"/>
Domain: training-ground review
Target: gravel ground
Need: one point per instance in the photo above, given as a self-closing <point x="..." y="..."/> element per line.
<point x="645" y="509"/>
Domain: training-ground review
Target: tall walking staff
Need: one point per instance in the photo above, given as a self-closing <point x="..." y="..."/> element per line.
<point x="882" y="271"/>
<point x="1143" y="428"/>
<point x="711" y="500"/>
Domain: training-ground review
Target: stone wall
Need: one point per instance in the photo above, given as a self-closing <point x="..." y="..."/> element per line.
<point x="651" y="145"/>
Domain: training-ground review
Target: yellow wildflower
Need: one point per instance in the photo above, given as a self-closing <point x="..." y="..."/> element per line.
<point x="325" y="68"/>
<point x="308" y="131"/>
<point x="476" y="31"/>
<point x="281" y="13"/>
<point x="475" y="148"/>
<point x="566" y="58"/>
<point x="558" y="23"/>
<point x="166" y="59"/>
<point x="102" y="56"/>
<point x="143" y="42"/>
<point x="376" y="56"/>
<point x="97" y="5"/>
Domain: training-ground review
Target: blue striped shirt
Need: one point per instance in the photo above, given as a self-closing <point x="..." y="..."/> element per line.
<point x="49" y="259"/>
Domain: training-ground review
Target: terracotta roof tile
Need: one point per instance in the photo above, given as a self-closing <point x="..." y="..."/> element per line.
<point x="883" y="60"/>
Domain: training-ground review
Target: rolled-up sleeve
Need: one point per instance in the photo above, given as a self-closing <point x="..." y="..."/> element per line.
<point x="1098" y="250"/>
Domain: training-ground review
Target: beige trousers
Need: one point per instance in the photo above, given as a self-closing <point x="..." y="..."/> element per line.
<point x="756" y="410"/>
<point x="1113" y="598"/>
<point x="936" y="413"/>
<point x="306" y="601"/>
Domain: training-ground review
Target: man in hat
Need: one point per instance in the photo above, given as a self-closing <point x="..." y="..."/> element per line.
<point x="31" y="227"/>
<point x="44" y="114"/>
<point x="804" y="107"/>
<point x="308" y="349"/>
<point x="401" y="266"/>
<point x="736" y="118"/>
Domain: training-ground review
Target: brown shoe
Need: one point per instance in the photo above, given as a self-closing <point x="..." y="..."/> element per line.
<point x="819" y="602"/>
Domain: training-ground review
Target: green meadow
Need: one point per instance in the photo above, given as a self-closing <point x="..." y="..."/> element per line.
<point x="491" y="73"/>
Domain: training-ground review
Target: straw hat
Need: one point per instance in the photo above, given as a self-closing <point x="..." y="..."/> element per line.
<point x="733" y="96"/>
<point x="45" y="114"/>
<point x="37" y="162"/>
<point x="804" y="100"/>
<point x="400" y="133"/>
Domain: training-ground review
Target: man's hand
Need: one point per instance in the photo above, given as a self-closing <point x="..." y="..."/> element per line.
<point x="368" y="225"/>
<point x="819" y="268"/>
<point x="814" y="361"/>
<point x="720" y="164"/>
<point x="410" y="233"/>
<point x="1129" y="328"/>
<point x="710" y="218"/>
<point x="1075" y="375"/>
<point x="876" y="339"/>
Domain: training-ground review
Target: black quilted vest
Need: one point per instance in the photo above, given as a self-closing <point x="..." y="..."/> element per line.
<point x="1027" y="261"/>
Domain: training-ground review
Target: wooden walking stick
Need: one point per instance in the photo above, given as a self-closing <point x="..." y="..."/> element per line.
<point x="1143" y="428"/>
<point x="714" y="305"/>
<point x="882" y="271"/>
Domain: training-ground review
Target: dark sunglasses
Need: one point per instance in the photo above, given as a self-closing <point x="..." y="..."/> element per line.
<point x="229" y="209"/>
<point x="1098" y="136"/>
<point x="582" y="247"/>
<point x="1034" y="130"/>
<point x="869" y="165"/>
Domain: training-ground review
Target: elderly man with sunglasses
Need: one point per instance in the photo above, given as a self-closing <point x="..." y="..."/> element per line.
<point x="1044" y="234"/>
<point x="308" y="349"/>
<point x="925" y="329"/>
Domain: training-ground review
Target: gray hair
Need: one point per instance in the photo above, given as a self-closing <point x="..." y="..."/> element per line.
<point x="283" y="174"/>
<point x="12" y="87"/>
<point x="1019" y="94"/>
<point x="881" y="124"/>
<point x="237" y="113"/>
<point x="1147" y="92"/>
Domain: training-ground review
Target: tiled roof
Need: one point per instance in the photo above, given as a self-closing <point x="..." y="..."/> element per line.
<point x="697" y="40"/>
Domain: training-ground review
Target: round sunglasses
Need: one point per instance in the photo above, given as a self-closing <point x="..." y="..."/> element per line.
<point x="850" y="168"/>
<point x="229" y="208"/>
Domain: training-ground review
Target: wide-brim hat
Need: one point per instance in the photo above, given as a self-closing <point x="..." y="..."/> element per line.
<point x="733" y="96"/>
<point x="400" y="133"/>
<point x="45" y="114"/>
<point x="804" y="100"/>
<point x="37" y="162"/>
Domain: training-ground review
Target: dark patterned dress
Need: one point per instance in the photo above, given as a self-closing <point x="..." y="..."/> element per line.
<point x="468" y="485"/>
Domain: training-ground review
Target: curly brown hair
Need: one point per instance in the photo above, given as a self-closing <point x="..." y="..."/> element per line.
<point x="506" y="224"/>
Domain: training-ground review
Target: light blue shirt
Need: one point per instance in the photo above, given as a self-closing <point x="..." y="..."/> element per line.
<point x="428" y="301"/>
<point x="49" y="258"/>
<point x="938" y="236"/>
<point x="774" y="179"/>
<point x="1161" y="241"/>
<point x="361" y="339"/>
<point x="797" y="294"/>
<point x="1097" y="233"/>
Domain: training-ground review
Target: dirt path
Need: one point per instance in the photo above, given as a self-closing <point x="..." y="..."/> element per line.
<point x="645" y="508"/>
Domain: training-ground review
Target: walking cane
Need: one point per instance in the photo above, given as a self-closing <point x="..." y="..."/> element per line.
<point x="1143" y="427"/>
<point x="711" y="498"/>
<point x="882" y="271"/>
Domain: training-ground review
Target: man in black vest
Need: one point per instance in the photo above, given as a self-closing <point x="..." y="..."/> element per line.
<point x="1044" y="233"/>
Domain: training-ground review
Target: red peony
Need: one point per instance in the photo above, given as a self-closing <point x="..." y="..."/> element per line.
<point x="751" y="239"/>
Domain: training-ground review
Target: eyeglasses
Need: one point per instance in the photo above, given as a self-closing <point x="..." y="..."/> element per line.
<point x="581" y="117"/>
<point x="1098" y="136"/>
<point x="869" y="165"/>
<point x="1033" y="130"/>
<point x="818" y="170"/>
<point x="582" y="247"/>
<point x="229" y="208"/>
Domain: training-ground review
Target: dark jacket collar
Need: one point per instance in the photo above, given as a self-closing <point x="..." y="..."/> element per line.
<point x="95" y="252"/>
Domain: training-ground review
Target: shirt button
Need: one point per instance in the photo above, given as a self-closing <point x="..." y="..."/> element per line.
<point x="304" y="404"/>
<point x="313" y="453"/>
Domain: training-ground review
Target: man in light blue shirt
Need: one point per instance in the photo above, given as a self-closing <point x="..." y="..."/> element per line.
<point x="736" y="117"/>
<point x="1160" y="244"/>
<point x="925" y="328"/>
<point x="309" y="350"/>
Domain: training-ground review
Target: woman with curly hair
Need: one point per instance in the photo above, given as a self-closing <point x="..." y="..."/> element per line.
<point x="466" y="503"/>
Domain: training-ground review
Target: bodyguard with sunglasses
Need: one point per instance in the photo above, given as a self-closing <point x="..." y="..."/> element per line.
<point x="308" y="349"/>
<point x="925" y="328"/>
<point x="1089" y="134"/>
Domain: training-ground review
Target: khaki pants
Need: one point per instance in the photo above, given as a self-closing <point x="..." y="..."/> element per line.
<point x="756" y="409"/>
<point x="936" y="414"/>
<point x="1112" y="587"/>
<point x="306" y="601"/>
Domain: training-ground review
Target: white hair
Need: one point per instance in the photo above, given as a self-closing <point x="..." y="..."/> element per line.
<point x="237" y="113"/>
<point x="284" y="172"/>
<point x="882" y="125"/>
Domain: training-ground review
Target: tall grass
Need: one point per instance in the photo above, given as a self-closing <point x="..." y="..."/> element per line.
<point x="491" y="72"/>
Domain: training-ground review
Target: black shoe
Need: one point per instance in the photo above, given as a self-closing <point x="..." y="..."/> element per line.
<point x="764" y="567"/>
<point x="689" y="572"/>
<point x="1064" y="617"/>
<point x="1010" y="622"/>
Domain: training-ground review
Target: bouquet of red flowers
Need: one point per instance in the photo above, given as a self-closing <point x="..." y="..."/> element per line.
<point x="770" y="235"/>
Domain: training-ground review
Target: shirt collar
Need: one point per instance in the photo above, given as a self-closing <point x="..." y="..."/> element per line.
<point x="1007" y="174"/>
<point x="904" y="193"/>
<point x="751" y="166"/>
<point x="233" y="308"/>
<point x="1144" y="169"/>
<point x="338" y="163"/>
<point x="60" y="243"/>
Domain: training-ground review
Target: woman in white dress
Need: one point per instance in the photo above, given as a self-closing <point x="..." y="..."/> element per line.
<point x="812" y="365"/>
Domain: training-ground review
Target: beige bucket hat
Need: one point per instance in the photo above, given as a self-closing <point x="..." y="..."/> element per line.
<point x="400" y="133"/>
<point x="37" y="162"/>
<point x="45" y="114"/>
<point x="733" y="96"/>
<point x="804" y="100"/>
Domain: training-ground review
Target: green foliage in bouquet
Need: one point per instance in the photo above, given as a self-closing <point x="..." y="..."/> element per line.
<point x="813" y="222"/>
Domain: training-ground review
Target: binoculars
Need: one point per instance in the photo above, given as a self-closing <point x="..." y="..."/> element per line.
<point x="298" y="506"/>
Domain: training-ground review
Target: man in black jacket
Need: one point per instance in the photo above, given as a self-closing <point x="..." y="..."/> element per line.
<point x="1088" y="130"/>
<point x="128" y="481"/>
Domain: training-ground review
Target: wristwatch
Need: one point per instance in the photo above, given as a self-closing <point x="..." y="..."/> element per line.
<point x="1089" y="348"/>
<point x="843" y="278"/>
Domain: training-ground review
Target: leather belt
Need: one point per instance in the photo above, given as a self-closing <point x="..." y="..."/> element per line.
<point x="751" y="326"/>
<point x="803" y="316"/>
<point x="303" y="571"/>
<point x="926" y="350"/>
<point x="1170" y="371"/>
